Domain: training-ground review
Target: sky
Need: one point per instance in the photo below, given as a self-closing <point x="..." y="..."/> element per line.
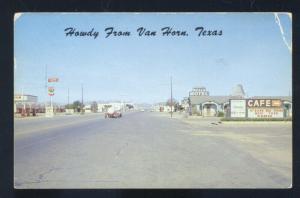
<point x="251" y="51"/>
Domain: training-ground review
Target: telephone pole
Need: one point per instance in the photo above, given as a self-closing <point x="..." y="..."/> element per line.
<point x="81" y="98"/>
<point x="46" y="85"/>
<point x="68" y="100"/>
<point x="171" y="98"/>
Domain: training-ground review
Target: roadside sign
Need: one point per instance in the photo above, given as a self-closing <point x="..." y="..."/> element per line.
<point x="53" y="79"/>
<point x="238" y="108"/>
<point x="69" y="111"/>
<point x="275" y="112"/>
<point x="49" y="112"/>
<point x="50" y="91"/>
<point x="265" y="108"/>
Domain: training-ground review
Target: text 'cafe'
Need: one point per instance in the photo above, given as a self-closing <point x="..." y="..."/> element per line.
<point x="259" y="108"/>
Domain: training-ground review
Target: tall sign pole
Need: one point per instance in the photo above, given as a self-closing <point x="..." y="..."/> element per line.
<point x="51" y="89"/>
<point x="171" y="98"/>
<point x="51" y="101"/>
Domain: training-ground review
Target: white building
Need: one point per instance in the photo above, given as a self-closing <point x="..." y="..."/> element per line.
<point x="87" y="108"/>
<point x="22" y="101"/>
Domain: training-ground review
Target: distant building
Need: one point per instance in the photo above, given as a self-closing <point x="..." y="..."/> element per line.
<point x="159" y="107"/>
<point x="123" y="106"/>
<point x="87" y="108"/>
<point x="24" y="102"/>
<point x="162" y="107"/>
<point x="185" y="103"/>
<point x="101" y="107"/>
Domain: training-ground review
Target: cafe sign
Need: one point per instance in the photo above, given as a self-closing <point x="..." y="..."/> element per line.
<point x="264" y="108"/>
<point x="258" y="103"/>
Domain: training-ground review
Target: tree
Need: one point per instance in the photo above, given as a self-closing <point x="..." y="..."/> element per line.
<point x="129" y="106"/>
<point x="174" y="103"/>
<point x="77" y="105"/>
<point x="69" y="106"/>
<point x="94" y="107"/>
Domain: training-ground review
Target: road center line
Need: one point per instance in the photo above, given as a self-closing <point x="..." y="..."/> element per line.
<point x="75" y="122"/>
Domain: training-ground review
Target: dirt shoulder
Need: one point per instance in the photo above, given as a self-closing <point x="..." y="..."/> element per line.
<point x="267" y="141"/>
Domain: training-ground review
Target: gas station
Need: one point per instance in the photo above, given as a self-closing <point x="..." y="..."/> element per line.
<point x="25" y="105"/>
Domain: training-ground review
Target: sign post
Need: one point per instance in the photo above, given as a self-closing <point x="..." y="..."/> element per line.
<point x="49" y="110"/>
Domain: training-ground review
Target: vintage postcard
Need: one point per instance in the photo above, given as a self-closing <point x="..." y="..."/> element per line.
<point x="152" y="100"/>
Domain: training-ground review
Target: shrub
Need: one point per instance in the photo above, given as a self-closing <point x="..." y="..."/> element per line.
<point x="220" y="114"/>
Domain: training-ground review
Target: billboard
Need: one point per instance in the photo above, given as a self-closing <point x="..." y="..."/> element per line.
<point x="265" y="108"/>
<point x="256" y="108"/>
<point x="238" y="108"/>
<point x="265" y="113"/>
<point x="264" y="103"/>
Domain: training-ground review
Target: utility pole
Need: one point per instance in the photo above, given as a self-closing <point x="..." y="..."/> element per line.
<point x="171" y="98"/>
<point x="23" y="105"/>
<point x="68" y="100"/>
<point x="189" y="101"/>
<point x="46" y="85"/>
<point x="81" y="98"/>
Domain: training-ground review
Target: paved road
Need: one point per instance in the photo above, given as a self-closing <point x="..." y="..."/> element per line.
<point x="139" y="150"/>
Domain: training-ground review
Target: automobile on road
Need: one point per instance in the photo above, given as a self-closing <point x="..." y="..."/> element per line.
<point x="111" y="113"/>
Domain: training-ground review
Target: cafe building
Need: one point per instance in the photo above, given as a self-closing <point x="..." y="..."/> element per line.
<point x="203" y="104"/>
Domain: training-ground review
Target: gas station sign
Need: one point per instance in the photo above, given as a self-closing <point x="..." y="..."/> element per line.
<point x="53" y="79"/>
<point x="50" y="91"/>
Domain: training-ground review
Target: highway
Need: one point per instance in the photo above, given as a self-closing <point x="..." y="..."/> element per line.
<point x="139" y="150"/>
